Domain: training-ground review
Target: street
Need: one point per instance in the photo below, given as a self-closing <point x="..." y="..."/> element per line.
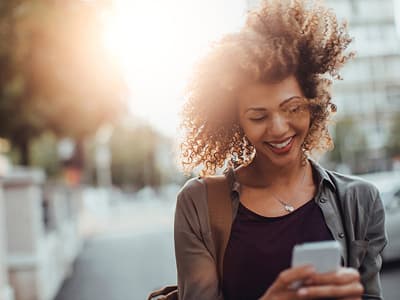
<point x="390" y="281"/>
<point x="121" y="268"/>
<point x="128" y="251"/>
<point x="128" y="260"/>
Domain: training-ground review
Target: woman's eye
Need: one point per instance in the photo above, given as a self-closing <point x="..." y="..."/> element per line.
<point x="255" y="119"/>
<point x="297" y="109"/>
<point x="294" y="109"/>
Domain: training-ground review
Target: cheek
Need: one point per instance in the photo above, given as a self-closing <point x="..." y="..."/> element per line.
<point x="307" y="122"/>
<point x="303" y="126"/>
<point x="254" y="132"/>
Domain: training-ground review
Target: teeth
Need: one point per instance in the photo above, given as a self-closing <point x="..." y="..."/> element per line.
<point x="281" y="145"/>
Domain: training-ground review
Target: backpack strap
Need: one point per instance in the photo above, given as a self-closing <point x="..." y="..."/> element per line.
<point x="165" y="293"/>
<point x="220" y="215"/>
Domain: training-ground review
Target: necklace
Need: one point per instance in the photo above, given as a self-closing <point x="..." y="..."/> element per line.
<point x="287" y="206"/>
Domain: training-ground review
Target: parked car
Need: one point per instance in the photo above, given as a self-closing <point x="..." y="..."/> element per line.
<point x="388" y="184"/>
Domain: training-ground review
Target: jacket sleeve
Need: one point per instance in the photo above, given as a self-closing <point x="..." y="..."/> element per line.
<point x="372" y="262"/>
<point x="196" y="267"/>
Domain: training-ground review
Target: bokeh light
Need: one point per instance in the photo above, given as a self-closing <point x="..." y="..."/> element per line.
<point x="157" y="43"/>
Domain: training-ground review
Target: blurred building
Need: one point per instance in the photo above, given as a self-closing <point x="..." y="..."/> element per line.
<point x="370" y="93"/>
<point x="251" y="4"/>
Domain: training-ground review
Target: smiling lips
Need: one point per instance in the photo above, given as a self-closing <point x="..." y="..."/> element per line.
<point x="283" y="147"/>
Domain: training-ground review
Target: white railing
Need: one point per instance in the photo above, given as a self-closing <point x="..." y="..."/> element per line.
<point x="6" y="292"/>
<point x="42" y="234"/>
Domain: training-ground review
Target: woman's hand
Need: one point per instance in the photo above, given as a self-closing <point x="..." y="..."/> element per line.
<point x="281" y="288"/>
<point x="343" y="284"/>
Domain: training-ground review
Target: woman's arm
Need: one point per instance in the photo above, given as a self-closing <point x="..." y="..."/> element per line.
<point x="197" y="271"/>
<point x="372" y="262"/>
<point x="364" y="255"/>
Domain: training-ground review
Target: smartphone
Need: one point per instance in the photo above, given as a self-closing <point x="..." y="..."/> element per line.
<point x="324" y="256"/>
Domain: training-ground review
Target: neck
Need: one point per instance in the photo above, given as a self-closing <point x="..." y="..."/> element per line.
<point x="286" y="175"/>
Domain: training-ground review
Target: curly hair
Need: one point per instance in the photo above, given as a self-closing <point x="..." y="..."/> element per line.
<point x="280" y="38"/>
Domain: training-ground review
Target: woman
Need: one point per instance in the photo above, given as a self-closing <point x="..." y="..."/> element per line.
<point x="260" y="101"/>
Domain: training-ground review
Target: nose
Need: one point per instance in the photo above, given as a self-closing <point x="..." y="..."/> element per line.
<point x="278" y="126"/>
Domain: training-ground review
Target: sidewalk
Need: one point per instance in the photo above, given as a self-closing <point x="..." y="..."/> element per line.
<point x="127" y="253"/>
<point x="121" y="268"/>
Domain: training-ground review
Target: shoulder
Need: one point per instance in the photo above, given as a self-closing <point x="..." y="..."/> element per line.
<point x="192" y="187"/>
<point x="191" y="213"/>
<point x="356" y="192"/>
<point x="353" y="184"/>
<point x="192" y="194"/>
<point x="345" y="184"/>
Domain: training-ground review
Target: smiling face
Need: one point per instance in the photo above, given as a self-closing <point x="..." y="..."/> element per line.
<point x="275" y="118"/>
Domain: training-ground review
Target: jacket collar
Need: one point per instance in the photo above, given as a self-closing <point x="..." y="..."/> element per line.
<point x="321" y="173"/>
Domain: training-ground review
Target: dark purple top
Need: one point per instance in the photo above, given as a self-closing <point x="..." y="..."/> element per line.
<point x="260" y="247"/>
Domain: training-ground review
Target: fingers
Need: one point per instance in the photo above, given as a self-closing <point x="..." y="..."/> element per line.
<point x="281" y="288"/>
<point x="346" y="291"/>
<point x="343" y="284"/>
<point x="289" y="276"/>
<point x="340" y="277"/>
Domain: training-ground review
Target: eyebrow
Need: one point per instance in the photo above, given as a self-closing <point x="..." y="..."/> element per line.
<point x="281" y="104"/>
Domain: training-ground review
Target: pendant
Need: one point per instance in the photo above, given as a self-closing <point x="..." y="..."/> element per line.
<point x="289" y="208"/>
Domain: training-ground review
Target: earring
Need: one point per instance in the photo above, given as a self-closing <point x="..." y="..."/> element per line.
<point x="249" y="151"/>
<point x="242" y="151"/>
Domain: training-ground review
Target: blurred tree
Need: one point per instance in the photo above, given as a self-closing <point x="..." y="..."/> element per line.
<point x="56" y="71"/>
<point x="350" y="144"/>
<point x="341" y="128"/>
<point x="44" y="154"/>
<point x="393" y="142"/>
<point x="134" y="151"/>
<point x="18" y="120"/>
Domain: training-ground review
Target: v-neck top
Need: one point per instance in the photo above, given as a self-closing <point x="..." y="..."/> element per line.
<point x="260" y="248"/>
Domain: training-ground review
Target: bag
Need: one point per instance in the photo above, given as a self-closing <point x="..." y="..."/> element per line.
<point x="220" y="215"/>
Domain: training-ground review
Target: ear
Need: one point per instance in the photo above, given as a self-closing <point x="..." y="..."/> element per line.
<point x="311" y="119"/>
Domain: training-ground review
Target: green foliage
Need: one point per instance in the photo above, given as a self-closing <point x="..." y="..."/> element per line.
<point x="341" y="129"/>
<point x="45" y="155"/>
<point x="134" y="162"/>
<point x="350" y="144"/>
<point x="56" y="73"/>
<point x="393" y="142"/>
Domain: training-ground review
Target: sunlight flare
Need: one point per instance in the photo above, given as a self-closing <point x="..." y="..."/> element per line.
<point x="157" y="43"/>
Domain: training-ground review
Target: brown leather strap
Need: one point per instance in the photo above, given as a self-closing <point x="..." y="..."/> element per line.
<point x="220" y="214"/>
<point x="167" y="293"/>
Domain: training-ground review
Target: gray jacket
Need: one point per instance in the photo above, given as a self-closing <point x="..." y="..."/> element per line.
<point x="353" y="212"/>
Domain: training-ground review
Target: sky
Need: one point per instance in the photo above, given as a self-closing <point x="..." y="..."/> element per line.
<point x="157" y="43"/>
